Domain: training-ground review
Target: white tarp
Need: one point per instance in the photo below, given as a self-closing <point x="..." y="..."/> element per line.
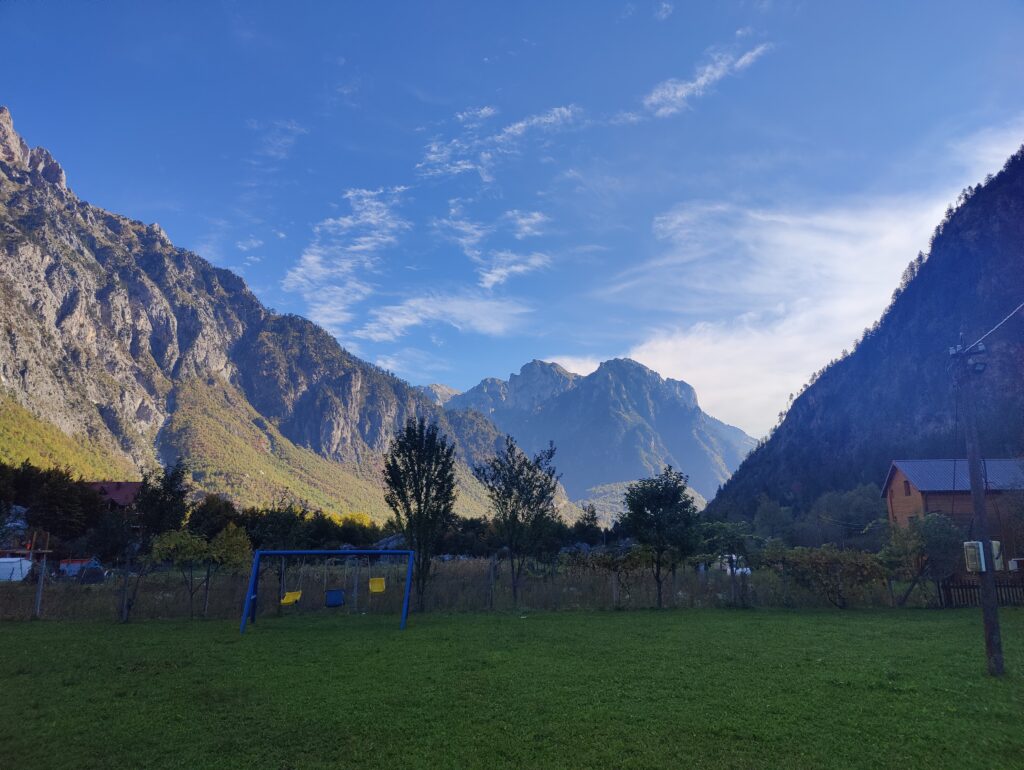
<point x="13" y="568"/>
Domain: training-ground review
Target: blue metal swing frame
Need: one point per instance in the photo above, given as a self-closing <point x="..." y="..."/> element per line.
<point x="252" y="598"/>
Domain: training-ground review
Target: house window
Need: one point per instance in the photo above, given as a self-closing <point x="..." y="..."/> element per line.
<point x="906" y="489"/>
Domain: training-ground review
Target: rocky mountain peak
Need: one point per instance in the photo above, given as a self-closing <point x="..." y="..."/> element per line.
<point x="15" y="152"/>
<point x="13" y="149"/>
<point x="636" y="375"/>
<point x="626" y="366"/>
<point x="437" y="393"/>
<point x="41" y="163"/>
<point x="618" y="423"/>
<point x="536" y="382"/>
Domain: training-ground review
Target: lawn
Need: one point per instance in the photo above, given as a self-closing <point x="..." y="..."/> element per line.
<point x="698" y="688"/>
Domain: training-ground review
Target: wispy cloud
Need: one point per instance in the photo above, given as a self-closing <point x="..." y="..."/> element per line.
<point x="414" y="364"/>
<point x="462" y="230"/>
<point x="474" y="116"/>
<point x="766" y="295"/>
<point x="506" y="264"/>
<point x="276" y="138"/>
<point x="663" y="10"/>
<point x="472" y="151"/>
<point x="672" y="96"/>
<point x="248" y="244"/>
<point x="788" y="289"/>
<point x="465" y="312"/>
<point x="526" y="224"/>
<point x="328" y="274"/>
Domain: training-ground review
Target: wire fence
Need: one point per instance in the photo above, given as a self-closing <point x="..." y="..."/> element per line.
<point x="459" y="585"/>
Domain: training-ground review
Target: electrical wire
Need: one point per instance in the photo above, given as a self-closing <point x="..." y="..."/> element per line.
<point x="994" y="328"/>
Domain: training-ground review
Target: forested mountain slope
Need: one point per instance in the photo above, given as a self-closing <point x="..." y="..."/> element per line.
<point x="892" y="397"/>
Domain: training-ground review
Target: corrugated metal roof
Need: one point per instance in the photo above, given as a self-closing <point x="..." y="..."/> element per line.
<point x="952" y="475"/>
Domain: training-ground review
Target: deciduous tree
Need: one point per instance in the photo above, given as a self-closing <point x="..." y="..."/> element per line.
<point x="664" y="519"/>
<point x="419" y="473"/>
<point x="522" y="492"/>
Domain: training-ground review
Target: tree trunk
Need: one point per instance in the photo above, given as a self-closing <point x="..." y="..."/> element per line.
<point x="516" y="564"/>
<point x="206" y="591"/>
<point x="125" y="601"/>
<point x="906" y="595"/>
<point x="37" y="612"/>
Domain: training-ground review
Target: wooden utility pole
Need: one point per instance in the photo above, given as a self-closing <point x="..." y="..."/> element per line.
<point x="969" y="368"/>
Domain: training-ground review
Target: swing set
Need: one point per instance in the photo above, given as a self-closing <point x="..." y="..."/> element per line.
<point x="333" y="597"/>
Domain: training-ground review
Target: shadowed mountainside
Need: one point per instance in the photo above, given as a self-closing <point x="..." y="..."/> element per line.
<point x="892" y="397"/>
<point x="617" y="424"/>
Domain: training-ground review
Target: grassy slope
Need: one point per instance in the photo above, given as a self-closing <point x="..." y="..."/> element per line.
<point x="236" y="452"/>
<point x="640" y="689"/>
<point x="25" y="437"/>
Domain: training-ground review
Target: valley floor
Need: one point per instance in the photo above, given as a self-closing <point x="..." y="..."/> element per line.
<point x="698" y="688"/>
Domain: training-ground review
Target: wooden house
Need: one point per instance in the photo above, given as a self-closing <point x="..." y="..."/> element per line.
<point x="914" y="488"/>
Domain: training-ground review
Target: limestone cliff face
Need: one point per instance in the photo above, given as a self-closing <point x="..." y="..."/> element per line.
<point x="103" y="319"/>
<point x="102" y="314"/>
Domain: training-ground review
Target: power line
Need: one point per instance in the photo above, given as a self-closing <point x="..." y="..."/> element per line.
<point x="983" y="336"/>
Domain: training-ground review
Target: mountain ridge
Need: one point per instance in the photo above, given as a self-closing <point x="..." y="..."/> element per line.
<point x="619" y="423"/>
<point x="108" y="327"/>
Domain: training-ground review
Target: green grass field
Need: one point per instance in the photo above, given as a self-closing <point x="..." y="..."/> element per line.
<point x="698" y="688"/>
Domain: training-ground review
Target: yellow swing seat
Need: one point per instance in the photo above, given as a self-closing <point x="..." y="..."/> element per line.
<point x="377" y="585"/>
<point x="290" y="597"/>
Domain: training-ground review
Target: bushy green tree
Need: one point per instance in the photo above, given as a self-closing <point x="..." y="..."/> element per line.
<point x="729" y="543"/>
<point x="663" y="519"/>
<point x="522" y="493"/>
<point x="928" y="548"/>
<point x="192" y="553"/>
<point x="163" y="500"/>
<point x="58" y="504"/>
<point x="419" y="474"/>
<point x="587" y="528"/>
<point x="853" y="518"/>
<point x="188" y="552"/>
<point x="211" y="516"/>
<point x="772" y="520"/>
<point x="161" y="506"/>
<point x="230" y="550"/>
<point x="833" y="573"/>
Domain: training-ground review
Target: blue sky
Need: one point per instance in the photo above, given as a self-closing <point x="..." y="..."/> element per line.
<point x="727" y="192"/>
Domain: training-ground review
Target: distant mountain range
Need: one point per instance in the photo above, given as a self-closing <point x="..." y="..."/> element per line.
<point x="615" y="425"/>
<point x="892" y="397"/>
<point x="119" y="350"/>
